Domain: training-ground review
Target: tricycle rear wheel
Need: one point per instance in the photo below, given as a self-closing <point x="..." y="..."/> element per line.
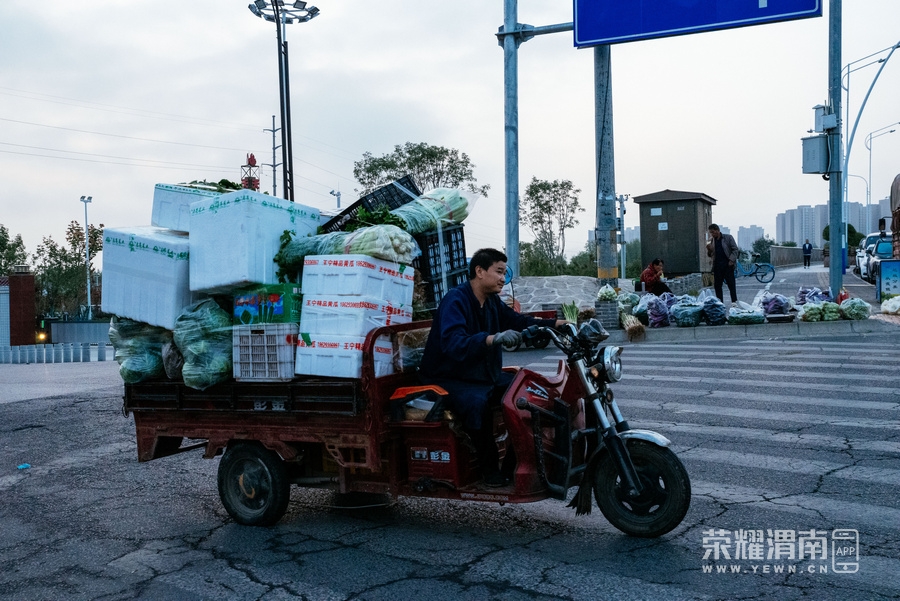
<point x="253" y="484"/>
<point x="665" y="495"/>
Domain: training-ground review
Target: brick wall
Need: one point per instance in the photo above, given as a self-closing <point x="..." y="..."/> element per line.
<point x="21" y="309"/>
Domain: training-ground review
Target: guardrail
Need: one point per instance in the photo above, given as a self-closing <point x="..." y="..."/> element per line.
<point x="67" y="352"/>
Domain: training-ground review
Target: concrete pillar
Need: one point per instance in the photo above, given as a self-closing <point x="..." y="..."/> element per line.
<point x="58" y="353"/>
<point x="101" y="351"/>
<point x="5" y="354"/>
<point x="86" y="352"/>
<point x="67" y="352"/>
<point x="39" y="353"/>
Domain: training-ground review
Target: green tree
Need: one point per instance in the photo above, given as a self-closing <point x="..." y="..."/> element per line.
<point x="534" y="262"/>
<point x="853" y="237"/>
<point x="763" y="246"/>
<point x="585" y="262"/>
<point x="430" y="167"/>
<point x="788" y="244"/>
<point x="633" y="263"/>
<point x="549" y="209"/>
<point x="12" y="251"/>
<point x="60" y="270"/>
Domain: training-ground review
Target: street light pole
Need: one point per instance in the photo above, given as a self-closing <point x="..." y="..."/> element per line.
<point x="868" y="143"/>
<point x="87" y="256"/>
<point x="276" y="12"/>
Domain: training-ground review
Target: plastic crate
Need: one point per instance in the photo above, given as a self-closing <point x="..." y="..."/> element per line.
<point x="390" y="196"/>
<point x="435" y="290"/>
<point x="432" y="263"/>
<point x="265" y="352"/>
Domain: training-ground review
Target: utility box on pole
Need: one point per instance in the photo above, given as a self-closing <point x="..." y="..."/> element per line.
<point x="673" y="228"/>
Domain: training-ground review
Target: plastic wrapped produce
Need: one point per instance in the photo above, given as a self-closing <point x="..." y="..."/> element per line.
<point x="686" y="313"/>
<point x="668" y="299"/>
<point x="203" y="335"/>
<point x="812" y="295"/>
<point x="640" y="309"/>
<point x="714" y="312"/>
<point x="855" y="308"/>
<point x="891" y="306"/>
<point x="744" y="314"/>
<point x="173" y="361"/>
<point x="775" y="304"/>
<point x="606" y="293"/>
<point x="444" y="206"/>
<point x="387" y="242"/>
<point x="830" y="311"/>
<point x="138" y="349"/>
<point x="657" y="312"/>
<point x="810" y="311"/>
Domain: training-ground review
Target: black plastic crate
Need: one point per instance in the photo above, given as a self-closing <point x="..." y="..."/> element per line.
<point x="390" y="196"/>
<point x="431" y="263"/>
<point x="434" y="288"/>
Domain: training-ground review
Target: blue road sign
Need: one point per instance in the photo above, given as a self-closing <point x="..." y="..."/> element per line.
<point x="616" y="21"/>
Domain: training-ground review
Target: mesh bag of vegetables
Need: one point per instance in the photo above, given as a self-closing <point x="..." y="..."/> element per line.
<point x="657" y="312"/>
<point x="810" y="311"/>
<point x="686" y="313"/>
<point x="387" y="242"/>
<point x="714" y="312"/>
<point x="138" y="349"/>
<point x="203" y="335"/>
<point x="830" y="311"/>
<point x="444" y="206"/>
<point x="855" y="308"/>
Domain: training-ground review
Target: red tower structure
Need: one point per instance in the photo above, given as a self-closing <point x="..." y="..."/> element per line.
<point x="250" y="173"/>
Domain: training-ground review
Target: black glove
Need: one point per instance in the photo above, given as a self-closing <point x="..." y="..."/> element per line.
<point x="508" y="338"/>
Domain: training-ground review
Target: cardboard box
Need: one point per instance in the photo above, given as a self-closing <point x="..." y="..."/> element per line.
<point x="234" y="238"/>
<point x="349" y="315"/>
<point x="358" y="275"/>
<point x="340" y="356"/>
<point x="274" y="303"/>
<point x="172" y="205"/>
<point x="145" y="274"/>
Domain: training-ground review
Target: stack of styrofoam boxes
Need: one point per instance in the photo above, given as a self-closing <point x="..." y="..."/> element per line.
<point x="344" y="298"/>
<point x="146" y="269"/>
<point x="234" y="239"/>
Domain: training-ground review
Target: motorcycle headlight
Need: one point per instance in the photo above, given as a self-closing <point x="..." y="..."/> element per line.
<point x="612" y="363"/>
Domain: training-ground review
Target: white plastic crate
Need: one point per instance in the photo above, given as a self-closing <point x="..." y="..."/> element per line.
<point x="358" y="275"/>
<point x="145" y="274"/>
<point x="349" y="315"/>
<point x="172" y="205"/>
<point x="340" y="356"/>
<point x="234" y="238"/>
<point x="264" y="353"/>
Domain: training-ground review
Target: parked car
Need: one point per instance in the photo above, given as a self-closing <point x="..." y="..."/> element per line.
<point x="880" y="250"/>
<point x="861" y="257"/>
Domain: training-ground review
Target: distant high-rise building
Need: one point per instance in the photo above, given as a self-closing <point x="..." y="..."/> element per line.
<point x="632" y="233"/>
<point x="748" y="235"/>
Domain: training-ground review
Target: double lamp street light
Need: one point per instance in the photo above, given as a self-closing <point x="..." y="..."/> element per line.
<point x="280" y="14"/>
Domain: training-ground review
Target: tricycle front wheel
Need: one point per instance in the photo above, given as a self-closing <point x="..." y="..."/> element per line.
<point x="253" y="484"/>
<point x="665" y="495"/>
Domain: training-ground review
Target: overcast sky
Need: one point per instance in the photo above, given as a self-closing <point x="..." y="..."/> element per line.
<point x="109" y="97"/>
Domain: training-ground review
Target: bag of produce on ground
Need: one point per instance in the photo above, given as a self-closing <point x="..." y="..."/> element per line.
<point x="706" y="293"/>
<point x="855" y="308"/>
<point x="640" y="309"/>
<point x="668" y="299"/>
<point x="687" y="313"/>
<point x="891" y="306"/>
<point x="138" y="349"/>
<point x="714" y="311"/>
<point x="810" y="311"/>
<point x="812" y="295"/>
<point x="657" y="312"/>
<point x="606" y="293"/>
<point x="445" y="206"/>
<point x="203" y="335"/>
<point x="743" y="314"/>
<point x="775" y="304"/>
<point x="627" y="301"/>
<point x="387" y="242"/>
<point x="830" y="311"/>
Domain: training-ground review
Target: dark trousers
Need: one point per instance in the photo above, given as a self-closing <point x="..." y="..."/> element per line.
<point x="806" y="259"/>
<point x="724" y="273"/>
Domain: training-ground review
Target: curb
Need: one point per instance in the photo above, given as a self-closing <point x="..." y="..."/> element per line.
<point x="841" y="327"/>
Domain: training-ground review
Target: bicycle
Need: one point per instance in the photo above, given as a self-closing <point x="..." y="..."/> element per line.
<point x="764" y="272"/>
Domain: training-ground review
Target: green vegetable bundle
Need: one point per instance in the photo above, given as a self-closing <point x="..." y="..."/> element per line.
<point x="830" y="311"/>
<point x="606" y="293"/>
<point x="447" y="206"/>
<point x="570" y="312"/>
<point x="203" y="335"/>
<point x="138" y="349"/>
<point x="387" y="242"/>
<point x="855" y="308"/>
<point x="811" y="312"/>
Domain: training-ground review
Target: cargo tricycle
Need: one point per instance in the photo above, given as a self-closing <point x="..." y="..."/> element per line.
<point x="392" y="435"/>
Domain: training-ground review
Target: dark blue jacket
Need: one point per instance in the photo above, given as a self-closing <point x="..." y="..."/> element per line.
<point x="456" y="356"/>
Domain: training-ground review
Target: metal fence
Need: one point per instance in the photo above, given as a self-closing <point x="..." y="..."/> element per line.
<point x="69" y="352"/>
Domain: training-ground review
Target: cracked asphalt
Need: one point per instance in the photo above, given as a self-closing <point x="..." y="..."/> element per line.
<point x="778" y="435"/>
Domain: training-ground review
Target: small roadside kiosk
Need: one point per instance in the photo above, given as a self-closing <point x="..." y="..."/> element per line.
<point x="673" y="228"/>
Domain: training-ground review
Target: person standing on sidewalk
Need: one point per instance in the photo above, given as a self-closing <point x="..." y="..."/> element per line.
<point x="723" y="251"/>
<point x="807" y="254"/>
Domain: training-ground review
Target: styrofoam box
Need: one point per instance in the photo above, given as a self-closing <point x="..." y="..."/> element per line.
<point x="358" y="275"/>
<point x="235" y="237"/>
<point x="145" y="274"/>
<point x="340" y="356"/>
<point x="172" y="205"/>
<point x="264" y="352"/>
<point x="349" y="315"/>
